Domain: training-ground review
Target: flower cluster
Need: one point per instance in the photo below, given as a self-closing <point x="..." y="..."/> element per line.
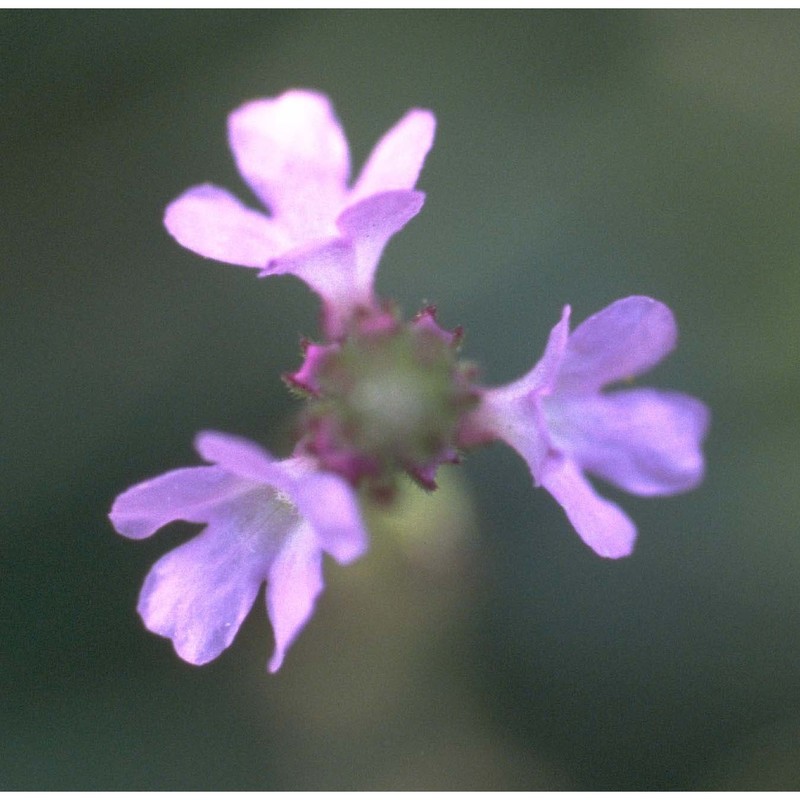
<point x="382" y="395"/>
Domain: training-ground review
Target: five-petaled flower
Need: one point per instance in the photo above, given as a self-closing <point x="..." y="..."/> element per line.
<point x="382" y="395"/>
<point x="293" y="154"/>
<point x="645" y="441"/>
<point x="265" y="520"/>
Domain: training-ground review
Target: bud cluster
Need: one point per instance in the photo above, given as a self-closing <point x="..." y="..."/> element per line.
<point x="387" y="397"/>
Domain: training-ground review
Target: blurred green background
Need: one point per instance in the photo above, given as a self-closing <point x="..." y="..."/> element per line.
<point x="580" y="157"/>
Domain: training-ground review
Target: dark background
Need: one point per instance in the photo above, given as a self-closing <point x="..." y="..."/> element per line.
<point x="580" y="157"/>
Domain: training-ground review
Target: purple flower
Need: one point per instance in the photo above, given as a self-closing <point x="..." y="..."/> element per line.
<point x="382" y="395"/>
<point x="645" y="441"/>
<point x="292" y="153"/>
<point x="265" y="520"/>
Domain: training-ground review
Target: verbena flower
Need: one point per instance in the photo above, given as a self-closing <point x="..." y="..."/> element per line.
<point x="293" y="154"/>
<point x="645" y="441"/>
<point x="382" y="395"/>
<point x="265" y="520"/>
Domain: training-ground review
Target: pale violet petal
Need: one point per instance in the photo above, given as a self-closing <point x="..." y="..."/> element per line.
<point x="329" y="268"/>
<point x="213" y="223"/>
<point x="517" y="420"/>
<point x="244" y="458"/>
<point x="188" y="494"/>
<point x="199" y="594"/>
<point x="397" y="159"/>
<point x="621" y="341"/>
<point x="601" y="524"/>
<point x="292" y="152"/>
<point x="645" y="441"/>
<point x="513" y="413"/>
<point x="370" y="224"/>
<point x="331" y="508"/>
<point x="544" y="374"/>
<point x="294" y="583"/>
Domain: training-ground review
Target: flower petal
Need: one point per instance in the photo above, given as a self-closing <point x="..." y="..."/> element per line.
<point x="643" y="440"/>
<point x="243" y="458"/>
<point x="621" y="341"/>
<point x="329" y="268"/>
<point x="292" y="152"/>
<point x="199" y="594"/>
<point x="213" y="223"/>
<point x="370" y="224"/>
<point x="513" y="413"/>
<point x="519" y="422"/>
<point x="545" y="373"/>
<point x="295" y="581"/>
<point x="189" y="494"/>
<point x="331" y="508"/>
<point x="397" y="159"/>
<point x="601" y="524"/>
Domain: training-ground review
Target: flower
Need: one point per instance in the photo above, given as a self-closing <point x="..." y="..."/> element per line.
<point x="645" y="441"/>
<point x="265" y="520"/>
<point x="293" y="154"/>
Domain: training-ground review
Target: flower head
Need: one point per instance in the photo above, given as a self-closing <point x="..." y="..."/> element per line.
<point x="293" y="154"/>
<point x="265" y="520"/>
<point x="382" y="395"/>
<point x="645" y="441"/>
